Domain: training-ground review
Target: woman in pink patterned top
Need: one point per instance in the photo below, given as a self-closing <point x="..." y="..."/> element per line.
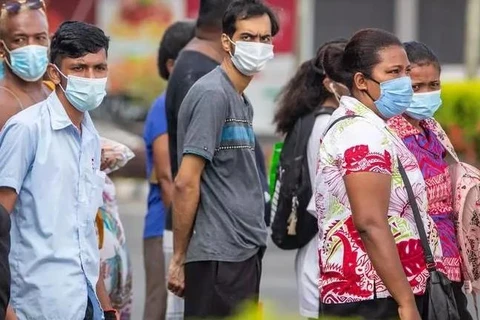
<point x="371" y="259"/>
<point x="424" y="137"/>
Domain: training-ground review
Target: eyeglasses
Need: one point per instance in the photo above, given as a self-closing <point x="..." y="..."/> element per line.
<point x="14" y="6"/>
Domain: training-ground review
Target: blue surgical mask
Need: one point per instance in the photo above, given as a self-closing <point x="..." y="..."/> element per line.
<point x="2" y="70"/>
<point x="424" y="105"/>
<point x="395" y="96"/>
<point x="28" y="62"/>
<point x="85" y="94"/>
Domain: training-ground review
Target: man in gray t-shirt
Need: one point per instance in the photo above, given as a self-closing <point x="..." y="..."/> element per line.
<point x="218" y="224"/>
<point x="215" y="123"/>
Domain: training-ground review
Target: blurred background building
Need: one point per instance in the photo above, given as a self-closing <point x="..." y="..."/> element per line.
<point x="136" y="27"/>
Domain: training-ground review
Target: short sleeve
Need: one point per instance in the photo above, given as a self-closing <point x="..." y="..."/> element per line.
<point x="17" y="151"/>
<point x="313" y="147"/>
<point x="207" y="118"/>
<point x="360" y="146"/>
<point x="156" y="122"/>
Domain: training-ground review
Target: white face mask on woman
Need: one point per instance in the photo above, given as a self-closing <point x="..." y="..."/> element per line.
<point x="251" y="57"/>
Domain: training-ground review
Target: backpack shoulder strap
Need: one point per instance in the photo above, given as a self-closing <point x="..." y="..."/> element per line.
<point x="340" y="119"/>
<point x="323" y="110"/>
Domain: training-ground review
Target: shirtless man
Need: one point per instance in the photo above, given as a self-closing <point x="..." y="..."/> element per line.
<point x="24" y="45"/>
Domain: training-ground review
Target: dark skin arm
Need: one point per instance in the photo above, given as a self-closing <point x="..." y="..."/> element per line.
<point x="185" y="202"/>
<point x="163" y="171"/>
<point x="8" y="197"/>
<point x="102" y="293"/>
<point x="10" y="107"/>
<point x="369" y="196"/>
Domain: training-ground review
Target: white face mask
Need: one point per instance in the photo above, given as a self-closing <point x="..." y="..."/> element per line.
<point x="251" y="57"/>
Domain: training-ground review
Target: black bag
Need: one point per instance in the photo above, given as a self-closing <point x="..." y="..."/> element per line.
<point x="441" y="300"/>
<point x="292" y="226"/>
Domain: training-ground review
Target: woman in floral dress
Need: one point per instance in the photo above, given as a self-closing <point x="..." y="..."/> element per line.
<point x="426" y="140"/>
<point x="371" y="258"/>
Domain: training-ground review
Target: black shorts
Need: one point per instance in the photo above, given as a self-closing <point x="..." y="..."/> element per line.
<point x="216" y="289"/>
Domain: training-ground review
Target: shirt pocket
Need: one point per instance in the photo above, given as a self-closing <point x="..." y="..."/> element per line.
<point x="96" y="183"/>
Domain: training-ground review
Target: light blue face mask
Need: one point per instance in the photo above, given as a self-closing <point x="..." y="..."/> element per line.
<point x="395" y="96"/>
<point x="424" y="105"/>
<point x="2" y="70"/>
<point x="28" y="62"/>
<point x="85" y="94"/>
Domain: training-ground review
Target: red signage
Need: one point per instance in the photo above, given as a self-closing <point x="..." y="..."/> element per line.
<point x="59" y="11"/>
<point x="286" y="11"/>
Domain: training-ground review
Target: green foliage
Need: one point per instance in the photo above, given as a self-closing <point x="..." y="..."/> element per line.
<point x="267" y="312"/>
<point x="461" y="106"/>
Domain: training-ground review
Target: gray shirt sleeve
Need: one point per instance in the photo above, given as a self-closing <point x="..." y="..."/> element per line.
<point x="207" y="117"/>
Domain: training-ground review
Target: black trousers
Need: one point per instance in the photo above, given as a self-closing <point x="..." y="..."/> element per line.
<point x="386" y="309"/>
<point x="216" y="289"/>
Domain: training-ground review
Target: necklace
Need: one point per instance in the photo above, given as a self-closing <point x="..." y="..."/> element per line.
<point x="30" y="97"/>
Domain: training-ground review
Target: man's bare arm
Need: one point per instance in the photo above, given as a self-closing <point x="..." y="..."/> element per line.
<point x="10" y="107"/>
<point x="185" y="202"/>
<point x="163" y="171"/>
<point x="8" y="197"/>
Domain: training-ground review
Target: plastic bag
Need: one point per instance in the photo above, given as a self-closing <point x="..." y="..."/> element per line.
<point x="114" y="154"/>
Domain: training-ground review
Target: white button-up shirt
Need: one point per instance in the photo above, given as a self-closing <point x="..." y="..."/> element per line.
<point x="55" y="171"/>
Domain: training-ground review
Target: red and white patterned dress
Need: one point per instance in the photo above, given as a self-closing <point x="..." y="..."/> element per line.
<point x="364" y="144"/>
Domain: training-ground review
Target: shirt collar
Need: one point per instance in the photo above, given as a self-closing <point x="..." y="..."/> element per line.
<point x="58" y="116"/>
<point x="402" y="127"/>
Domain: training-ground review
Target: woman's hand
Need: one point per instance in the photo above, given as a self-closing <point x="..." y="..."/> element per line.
<point x="409" y="312"/>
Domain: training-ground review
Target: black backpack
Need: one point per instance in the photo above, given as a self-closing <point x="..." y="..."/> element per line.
<point x="292" y="226"/>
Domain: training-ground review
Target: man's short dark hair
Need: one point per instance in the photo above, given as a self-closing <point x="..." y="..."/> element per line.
<point x="211" y="13"/>
<point x="75" y="39"/>
<point x="246" y="9"/>
<point x="174" y="39"/>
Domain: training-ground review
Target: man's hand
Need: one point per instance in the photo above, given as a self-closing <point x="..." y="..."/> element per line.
<point x="176" y="277"/>
<point x="409" y="312"/>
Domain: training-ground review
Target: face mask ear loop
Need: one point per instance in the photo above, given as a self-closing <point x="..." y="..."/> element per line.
<point x="9" y="55"/>
<point x="366" y="91"/>
<point x="231" y="41"/>
<point x="332" y="88"/>
<point x="64" y="76"/>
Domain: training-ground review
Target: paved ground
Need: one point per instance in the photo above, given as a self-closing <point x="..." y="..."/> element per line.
<point x="278" y="282"/>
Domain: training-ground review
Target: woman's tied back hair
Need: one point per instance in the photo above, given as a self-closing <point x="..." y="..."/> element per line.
<point x="360" y="55"/>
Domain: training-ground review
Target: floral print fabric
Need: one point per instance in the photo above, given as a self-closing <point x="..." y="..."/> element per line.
<point x="430" y="155"/>
<point x="364" y="144"/>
